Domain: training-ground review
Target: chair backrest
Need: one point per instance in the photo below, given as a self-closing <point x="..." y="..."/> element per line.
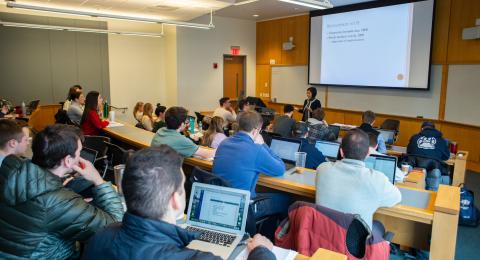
<point x="140" y="125"/>
<point x="391" y="124"/>
<point x="203" y="176"/>
<point x="357" y="235"/>
<point x="61" y="117"/>
<point x="117" y="155"/>
<point x="199" y="117"/>
<point x="97" y="143"/>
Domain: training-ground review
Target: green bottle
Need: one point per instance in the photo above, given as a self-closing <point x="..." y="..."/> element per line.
<point x="105" y="109"/>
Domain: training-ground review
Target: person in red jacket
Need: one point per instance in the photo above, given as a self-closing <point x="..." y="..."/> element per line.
<point x="91" y="123"/>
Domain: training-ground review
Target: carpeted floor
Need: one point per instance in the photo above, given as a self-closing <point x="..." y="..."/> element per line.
<point x="468" y="239"/>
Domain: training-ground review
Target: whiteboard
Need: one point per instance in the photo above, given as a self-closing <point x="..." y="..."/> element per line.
<point x="289" y="85"/>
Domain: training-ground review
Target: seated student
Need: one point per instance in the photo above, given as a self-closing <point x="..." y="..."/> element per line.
<point x="13" y="138"/>
<point x="364" y="190"/>
<point x="285" y="124"/>
<point x="153" y="185"/>
<point x="368" y="119"/>
<point x="214" y="134"/>
<point x="429" y="143"/>
<point x="41" y="219"/>
<point x="147" y="118"/>
<point x="138" y="111"/>
<point x="318" y="127"/>
<point x="314" y="156"/>
<point x="75" y="110"/>
<point x="4" y="109"/>
<point x="71" y="90"/>
<point x="246" y="104"/>
<point x="91" y="124"/>
<point x="225" y="111"/>
<point x="177" y="122"/>
<point x="239" y="160"/>
<point x="399" y="174"/>
<point x="160" y="122"/>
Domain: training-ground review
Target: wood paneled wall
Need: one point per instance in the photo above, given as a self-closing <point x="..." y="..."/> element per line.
<point x="466" y="136"/>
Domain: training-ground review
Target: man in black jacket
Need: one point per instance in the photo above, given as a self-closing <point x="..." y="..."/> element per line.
<point x="153" y="185"/>
<point x="368" y="119"/>
<point x="429" y="143"/>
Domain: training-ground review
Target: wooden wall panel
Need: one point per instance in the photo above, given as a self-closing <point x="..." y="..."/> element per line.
<point x="263" y="79"/>
<point x="298" y="28"/>
<point x="440" y="31"/>
<point x="463" y="14"/>
<point x="269" y="38"/>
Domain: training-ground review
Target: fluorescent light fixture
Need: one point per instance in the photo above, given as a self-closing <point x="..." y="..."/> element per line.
<point x="319" y="4"/>
<point x="77" y="29"/>
<point x="110" y="16"/>
<point x="245" y="2"/>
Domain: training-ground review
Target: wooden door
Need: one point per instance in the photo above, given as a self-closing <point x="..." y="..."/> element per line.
<point x="233" y="76"/>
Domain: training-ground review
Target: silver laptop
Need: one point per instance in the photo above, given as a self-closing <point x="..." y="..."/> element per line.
<point x="328" y="149"/>
<point x="286" y="148"/>
<point x="384" y="164"/>
<point x="220" y="215"/>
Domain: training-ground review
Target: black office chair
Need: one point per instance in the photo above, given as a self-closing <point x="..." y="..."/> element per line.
<point x="61" y="117"/>
<point x="98" y="143"/>
<point x="203" y="176"/>
<point x="116" y="155"/>
<point x="140" y="125"/>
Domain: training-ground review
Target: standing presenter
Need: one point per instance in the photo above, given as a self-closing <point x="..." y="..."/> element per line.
<point x="310" y="104"/>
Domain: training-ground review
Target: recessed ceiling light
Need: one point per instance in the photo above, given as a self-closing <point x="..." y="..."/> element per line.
<point x="256" y="15"/>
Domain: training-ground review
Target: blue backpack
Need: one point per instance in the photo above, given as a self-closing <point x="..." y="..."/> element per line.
<point x="469" y="214"/>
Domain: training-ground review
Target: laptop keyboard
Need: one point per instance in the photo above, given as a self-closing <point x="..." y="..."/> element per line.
<point x="213" y="237"/>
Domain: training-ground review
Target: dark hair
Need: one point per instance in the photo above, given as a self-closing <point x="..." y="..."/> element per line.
<point x="223" y="100"/>
<point x="312" y="90"/>
<point x="372" y="139"/>
<point x="288" y="108"/>
<point x="247" y="121"/>
<point x="91" y="103"/>
<point x="300" y="129"/>
<point x="151" y="176"/>
<point x="368" y="117"/>
<point x="175" y="116"/>
<point x="242" y="104"/>
<point x="75" y="95"/>
<point x="9" y="130"/>
<point x="318" y="114"/>
<point x="355" y="145"/>
<point x="72" y="90"/>
<point x="54" y="143"/>
<point x="160" y="109"/>
<point x="428" y="124"/>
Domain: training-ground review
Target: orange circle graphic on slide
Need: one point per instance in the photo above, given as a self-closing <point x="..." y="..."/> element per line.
<point x="400" y="76"/>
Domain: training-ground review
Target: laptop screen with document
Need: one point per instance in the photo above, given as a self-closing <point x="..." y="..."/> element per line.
<point x="328" y="149"/>
<point x="285" y="148"/>
<point x="218" y="208"/>
<point x="384" y="164"/>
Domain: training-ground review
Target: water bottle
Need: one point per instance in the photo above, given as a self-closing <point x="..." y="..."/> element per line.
<point x="24" y="109"/>
<point x="200" y="126"/>
<point x="105" y="109"/>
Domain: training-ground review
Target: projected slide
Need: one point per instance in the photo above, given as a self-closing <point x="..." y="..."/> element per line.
<point x="353" y="47"/>
<point x="372" y="45"/>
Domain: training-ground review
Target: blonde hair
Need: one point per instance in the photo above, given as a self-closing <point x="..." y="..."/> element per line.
<point x="137" y="107"/>
<point x="148" y="110"/>
<point x="216" y="126"/>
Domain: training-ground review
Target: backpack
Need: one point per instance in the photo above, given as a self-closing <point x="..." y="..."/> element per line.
<point x="469" y="214"/>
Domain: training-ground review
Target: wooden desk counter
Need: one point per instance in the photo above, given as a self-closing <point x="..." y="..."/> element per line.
<point x="323" y="254"/>
<point x="413" y="227"/>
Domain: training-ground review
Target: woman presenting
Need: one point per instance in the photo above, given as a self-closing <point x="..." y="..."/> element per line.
<point x="310" y="104"/>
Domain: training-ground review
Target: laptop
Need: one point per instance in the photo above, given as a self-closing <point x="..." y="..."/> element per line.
<point x="335" y="130"/>
<point x="328" y="149"/>
<point x="220" y="215"/>
<point x="388" y="136"/>
<point x="285" y="148"/>
<point x="384" y="164"/>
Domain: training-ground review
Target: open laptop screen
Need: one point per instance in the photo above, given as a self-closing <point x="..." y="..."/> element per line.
<point x="285" y="148"/>
<point x="218" y="208"/>
<point x="385" y="164"/>
<point x="328" y="149"/>
<point x="388" y="136"/>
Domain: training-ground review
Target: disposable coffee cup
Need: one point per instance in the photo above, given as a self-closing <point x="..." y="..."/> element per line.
<point x="300" y="159"/>
<point x="405" y="168"/>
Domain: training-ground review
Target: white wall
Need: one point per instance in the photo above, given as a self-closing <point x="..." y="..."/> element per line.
<point x="141" y="67"/>
<point x="199" y="85"/>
